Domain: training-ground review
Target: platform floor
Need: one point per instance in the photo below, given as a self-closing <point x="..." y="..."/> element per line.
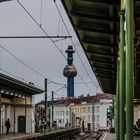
<point x="110" y="136"/>
<point x="18" y="136"/>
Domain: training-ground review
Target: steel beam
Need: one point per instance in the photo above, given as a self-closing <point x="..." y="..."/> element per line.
<point x="101" y="55"/>
<point x="104" y="63"/>
<point x="129" y="69"/>
<point x="93" y="17"/>
<point x="90" y="41"/>
<point x="106" y="2"/>
<point x="88" y="29"/>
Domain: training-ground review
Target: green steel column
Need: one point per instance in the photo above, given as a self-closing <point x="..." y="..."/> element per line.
<point x="117" y="104"/>
<point x="121" y="79"/>
<point x="129" y="69"/>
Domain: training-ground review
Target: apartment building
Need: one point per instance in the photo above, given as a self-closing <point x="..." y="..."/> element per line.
<point x="92" y="110"/>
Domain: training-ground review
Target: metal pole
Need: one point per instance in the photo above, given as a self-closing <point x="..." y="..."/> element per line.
<point x="117" y="104"/>
<point x="25" y="113"/>
<point x="0" y="113"/>
<point x="122" y="79"/>
<point x="46" y="101"/>
<point x="14" y="115"/>
<point x="129" y="69"/>
<point x="93" y="117"/>
<point x="52" y="105"/>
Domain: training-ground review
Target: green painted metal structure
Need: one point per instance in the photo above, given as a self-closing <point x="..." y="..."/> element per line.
<point x="121" y="82"/>
<point x="113" y="54"/>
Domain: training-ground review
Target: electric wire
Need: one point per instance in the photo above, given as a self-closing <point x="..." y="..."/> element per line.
<point x="50" y="81"/>
<point x="40" y="26"/>
<point x="72" y="41"/>
<point x="48" y="35"/>
<point x="22" y="62"/>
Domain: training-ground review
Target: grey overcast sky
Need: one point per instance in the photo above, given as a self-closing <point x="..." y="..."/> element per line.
<point x="41" y="54"/>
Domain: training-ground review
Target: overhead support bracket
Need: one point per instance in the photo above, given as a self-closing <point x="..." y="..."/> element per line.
<point x="35" y="37"/>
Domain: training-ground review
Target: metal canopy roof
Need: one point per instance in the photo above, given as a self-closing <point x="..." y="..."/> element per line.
<point x="96" y="23"/>
<point x="19" y="86"/>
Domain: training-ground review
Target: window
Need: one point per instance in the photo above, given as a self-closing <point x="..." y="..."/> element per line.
<point x="84" y="117"/>
<point x="67" y="113"/>
<point x="88" y="118"/>
<point x="88" y="109"/>
<point x="61" y="113"/>
<point x="55" y="113"/>
<point x="98" y="117"/>
<point x="84" y="109"/>
<point x="97" y="109"/>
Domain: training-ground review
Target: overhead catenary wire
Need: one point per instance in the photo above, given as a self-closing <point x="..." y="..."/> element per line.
<point x="40" y="26"/>
<point x="72" y="41"/>
<point x="48" y="35"/>
<point x="50" y="81"/>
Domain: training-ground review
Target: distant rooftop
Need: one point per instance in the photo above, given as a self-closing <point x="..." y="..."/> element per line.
<point x="81" y="99"/>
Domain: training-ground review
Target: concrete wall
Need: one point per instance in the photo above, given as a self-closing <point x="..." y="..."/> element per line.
<point x="20" y="111"/>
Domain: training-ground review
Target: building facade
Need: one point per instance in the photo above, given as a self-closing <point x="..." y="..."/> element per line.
<point x="61" y="115"/>
<point x="100" y="114"/>
<point x="21" y="116"/>
<point x="92" y="110"/>
<point x="83" y="112"/>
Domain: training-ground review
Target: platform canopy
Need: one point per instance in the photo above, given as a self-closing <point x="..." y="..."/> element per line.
<point x="4" y="0"/>
<point x="96" y="23"/>
<point x="13" y="84"/>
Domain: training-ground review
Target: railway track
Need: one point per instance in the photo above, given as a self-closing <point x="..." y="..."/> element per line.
<point x="91" y="136"/>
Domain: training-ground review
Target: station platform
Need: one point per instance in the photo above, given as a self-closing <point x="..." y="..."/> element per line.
<point x="19" y="136"/>
<point x="110" y="136"/>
